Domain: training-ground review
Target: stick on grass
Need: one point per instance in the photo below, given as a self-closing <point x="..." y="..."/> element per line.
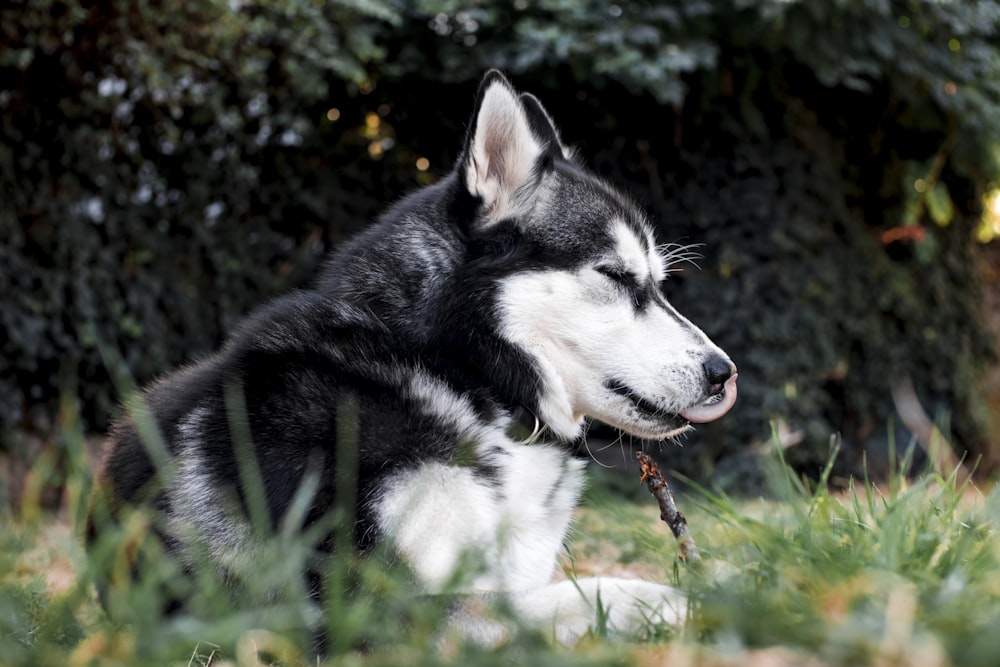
<point x="657" y="486"/>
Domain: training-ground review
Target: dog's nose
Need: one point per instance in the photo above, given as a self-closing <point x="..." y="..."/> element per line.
<point x="717" y="370"/>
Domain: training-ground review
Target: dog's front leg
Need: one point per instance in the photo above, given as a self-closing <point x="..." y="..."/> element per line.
<point x="627" y="606"/>
<point x="569" y="609"/>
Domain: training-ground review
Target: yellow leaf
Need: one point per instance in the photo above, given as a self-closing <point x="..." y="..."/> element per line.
<point x="939" y="204"/>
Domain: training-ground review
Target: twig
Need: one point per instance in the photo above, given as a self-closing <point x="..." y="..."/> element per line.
<point x="668" y="510"/>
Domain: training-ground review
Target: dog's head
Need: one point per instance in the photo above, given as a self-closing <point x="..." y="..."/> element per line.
<point x="580" y="298"/>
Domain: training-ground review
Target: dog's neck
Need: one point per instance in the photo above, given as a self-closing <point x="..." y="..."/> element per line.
<point x="525" y="426"/>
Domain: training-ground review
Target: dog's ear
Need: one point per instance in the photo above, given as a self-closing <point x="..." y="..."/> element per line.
<point x="543" y="127"/>
<point x="506" y="147"/>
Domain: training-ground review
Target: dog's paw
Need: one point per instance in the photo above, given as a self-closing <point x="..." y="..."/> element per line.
<point x="617" y="607"/>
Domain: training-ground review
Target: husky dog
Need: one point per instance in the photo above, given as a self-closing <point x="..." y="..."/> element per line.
<point x="519" y="289"/>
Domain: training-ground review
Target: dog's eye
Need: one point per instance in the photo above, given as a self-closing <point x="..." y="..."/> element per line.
<point x="627" y="282"/>
<point x="617" y="275"/>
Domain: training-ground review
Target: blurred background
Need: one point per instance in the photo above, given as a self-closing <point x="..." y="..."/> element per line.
<point x="167" y="166"/>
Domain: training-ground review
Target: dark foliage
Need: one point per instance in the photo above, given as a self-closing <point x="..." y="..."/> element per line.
<point x="165" y="168"/>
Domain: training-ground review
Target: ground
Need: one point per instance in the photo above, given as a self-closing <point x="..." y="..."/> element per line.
<point x="903" y="573"/>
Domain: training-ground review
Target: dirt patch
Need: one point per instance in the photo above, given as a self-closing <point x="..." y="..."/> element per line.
<point x="55" y="557"/>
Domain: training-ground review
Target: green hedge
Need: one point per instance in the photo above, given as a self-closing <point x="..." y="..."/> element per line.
<point x="165" y="168"/>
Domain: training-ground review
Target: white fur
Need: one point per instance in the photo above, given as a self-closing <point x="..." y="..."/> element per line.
<point x="450" y="408"/>
<point x="657" y="264"/>
<point x="642" y="261"/>
<point x="459" y="534"/>
<point x="203" y="515"/>
<point x="582" y="332"/>
<point x="569" y="608"/>
<point x="571" y="605"/>
<point x="441" y="516"/>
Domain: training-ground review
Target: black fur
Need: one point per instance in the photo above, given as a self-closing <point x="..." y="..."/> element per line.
<point x="295" y="358"/>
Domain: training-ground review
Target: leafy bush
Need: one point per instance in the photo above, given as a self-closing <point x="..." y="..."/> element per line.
<point x="166" y="168"/>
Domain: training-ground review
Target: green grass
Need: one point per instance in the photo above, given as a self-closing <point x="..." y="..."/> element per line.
<point x="903" y="574"/>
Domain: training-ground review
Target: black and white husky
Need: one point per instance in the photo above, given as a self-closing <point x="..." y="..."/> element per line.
<point x="519" y="289"/>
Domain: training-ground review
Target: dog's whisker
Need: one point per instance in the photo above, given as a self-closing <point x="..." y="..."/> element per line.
<point x="672" y="254"/>
<point x="586" y="446"/>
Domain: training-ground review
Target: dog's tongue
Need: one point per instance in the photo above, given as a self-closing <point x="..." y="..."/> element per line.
<point x="700" y="414"/>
